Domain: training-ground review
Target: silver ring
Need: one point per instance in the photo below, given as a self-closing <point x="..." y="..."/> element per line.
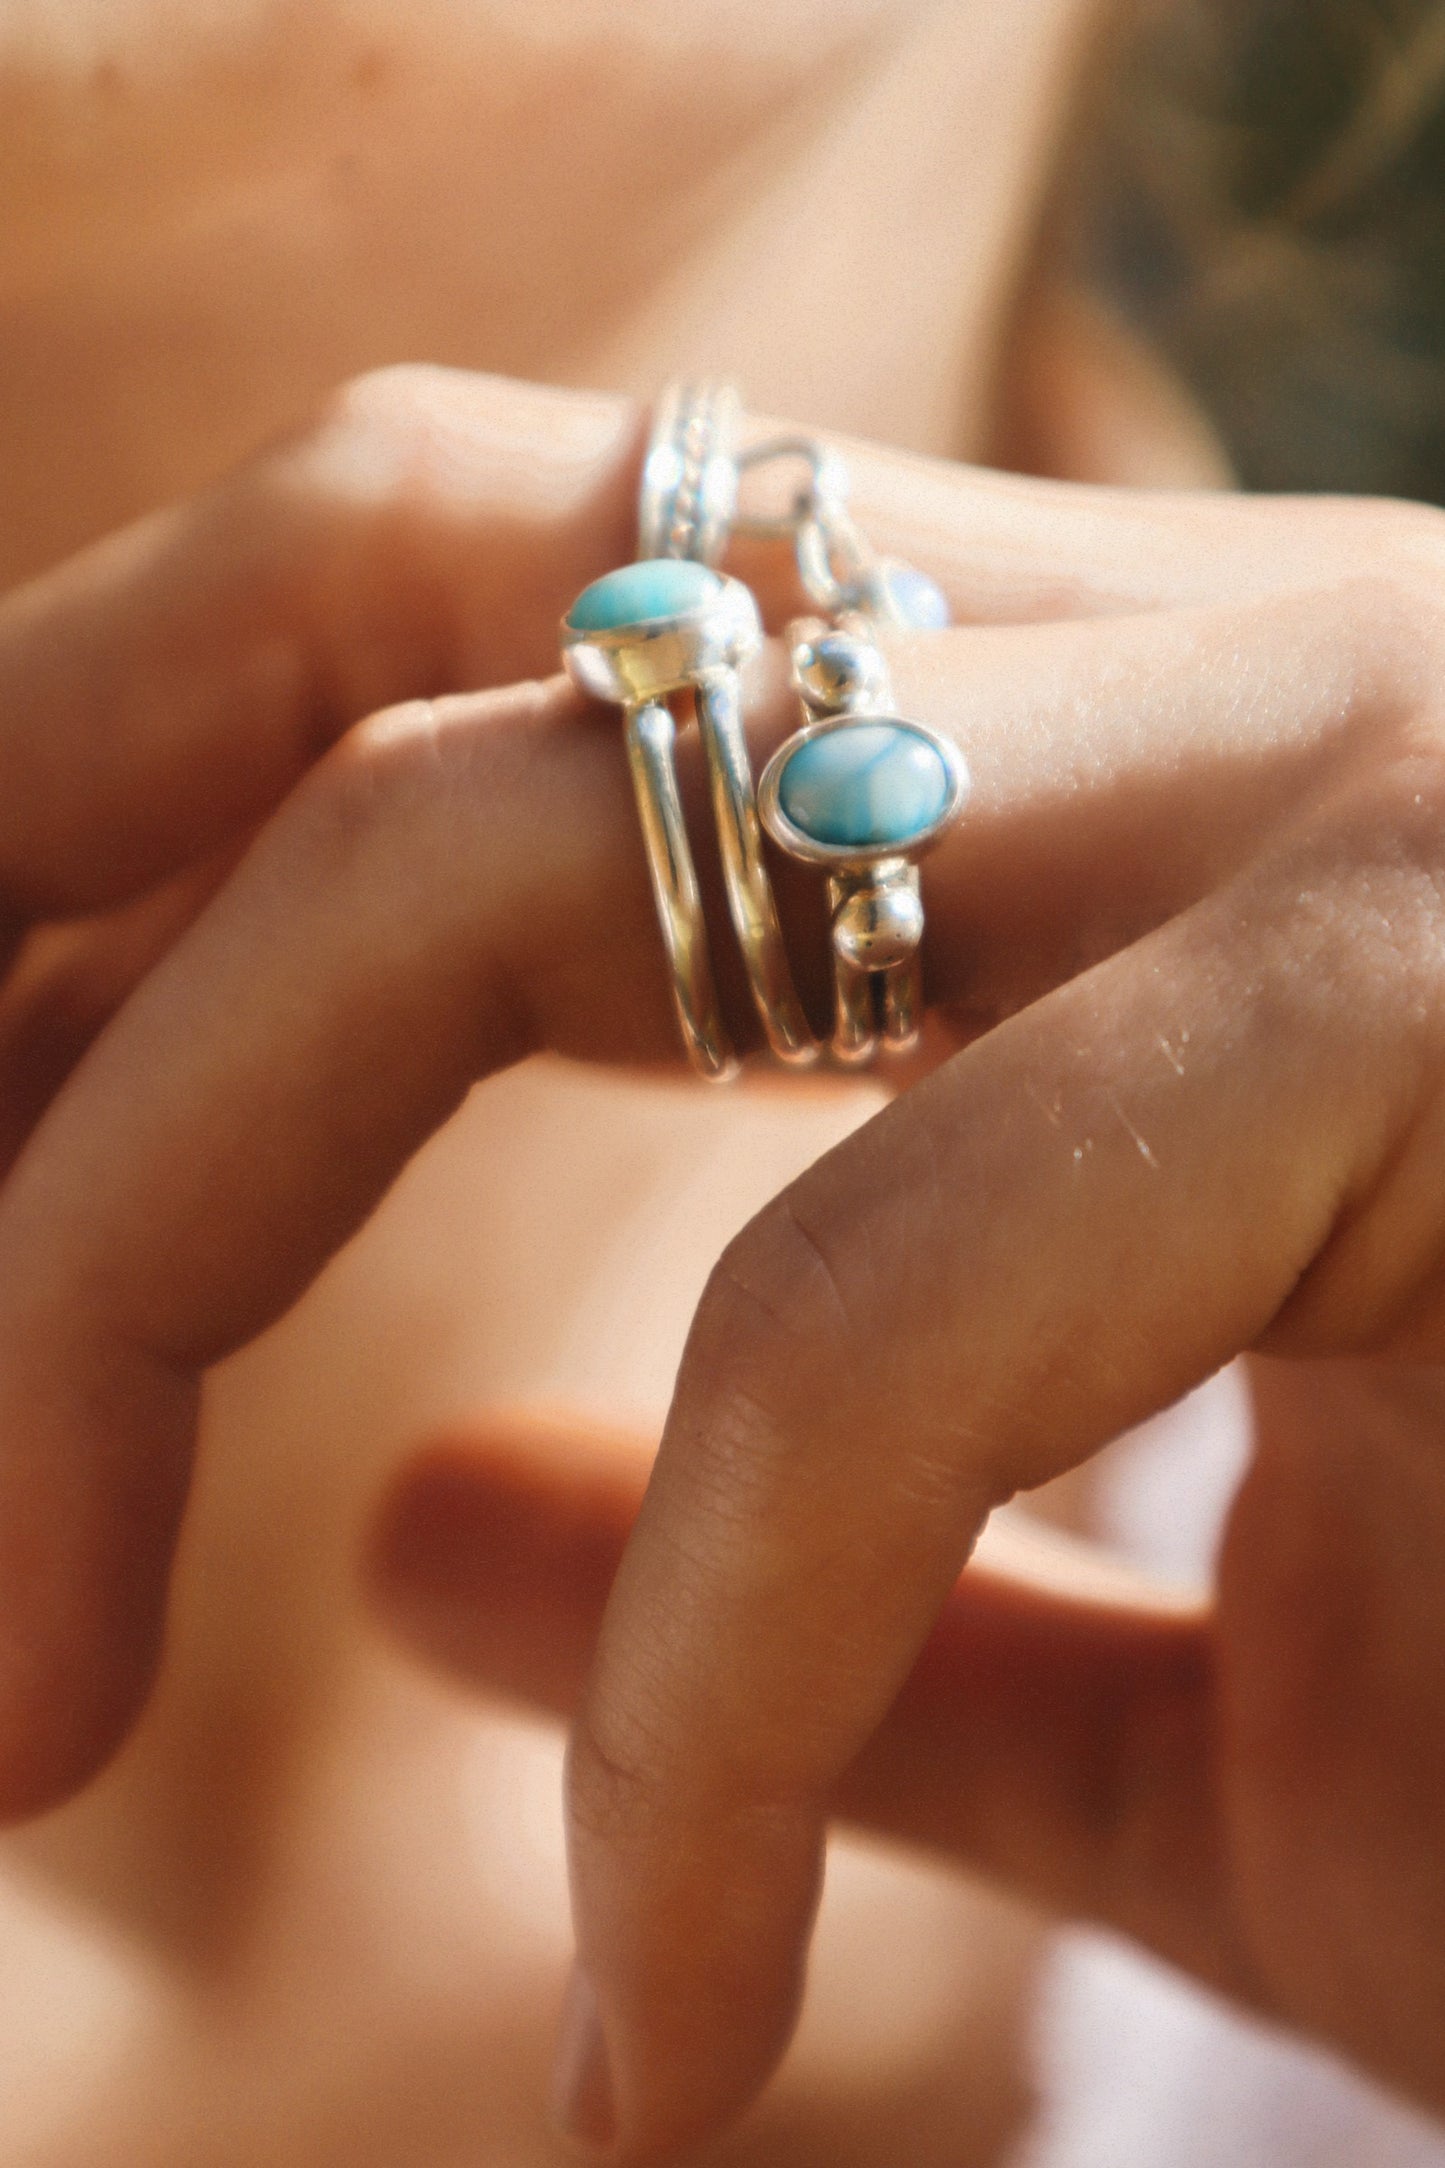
<point x="690" y="474"/>
<point x="688" y="500"/>
<point x="634" y="639"/>
<point x="862" y="792"/>
<point x="669" y="626"/>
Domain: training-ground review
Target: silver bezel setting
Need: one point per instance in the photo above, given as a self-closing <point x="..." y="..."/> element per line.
<point x="655" y="657"/>
<point x="846" y="857"/>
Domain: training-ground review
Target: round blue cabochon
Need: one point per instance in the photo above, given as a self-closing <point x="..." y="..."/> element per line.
<point x="656" y="587"/>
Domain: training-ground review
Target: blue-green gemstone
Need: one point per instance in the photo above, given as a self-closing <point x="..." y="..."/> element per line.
<point x="917" y="601"/>
<point x="657" y="587"/>
<point x="866" y="785"/>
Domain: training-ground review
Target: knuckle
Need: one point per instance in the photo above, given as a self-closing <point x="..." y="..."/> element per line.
<point x="374" y="446"/>
<point x="787" y="1268"/>
<point x="631" y="1777"/>
<point x="778" y="1305"/>
<point x="409" y="790"/>
<point x="605" y="1787"/>
<point x="362" y="525"/>
<point x="381" y="771"/>
<point x="377" y="774"/>
<point x="616" y="1777"/>
<point x="391" y="398"/>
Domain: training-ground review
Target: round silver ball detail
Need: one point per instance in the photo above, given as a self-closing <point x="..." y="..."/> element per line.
<point x="876" y="927"/>
<point x="837" y="671"/>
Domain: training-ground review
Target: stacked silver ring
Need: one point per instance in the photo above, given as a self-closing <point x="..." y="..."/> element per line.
<point x="670" y="631"/>
<point x="862" y="792"/>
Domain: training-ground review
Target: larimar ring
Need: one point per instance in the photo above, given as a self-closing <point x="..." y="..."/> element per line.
<point x="636" y="638"/>
<point x="862" y="792"/>
<point x="670" y="626"/>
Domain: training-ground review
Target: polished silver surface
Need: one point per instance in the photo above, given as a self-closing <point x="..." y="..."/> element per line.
<point x="675" y="892"/>
<point x="834" y="670"/>
<point x="690" y="473"/>
<point x="639" y="668"/>
<point x="874" y="896"/>
<point x="664" y="655"/>
<point x="688" y="501"/>
<point x="822" y="480"/>
<point x="689" y="504"/>
<point x="749" y="890"/>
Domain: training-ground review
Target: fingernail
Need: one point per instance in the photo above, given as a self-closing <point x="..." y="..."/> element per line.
<point x="582" y="2105"/>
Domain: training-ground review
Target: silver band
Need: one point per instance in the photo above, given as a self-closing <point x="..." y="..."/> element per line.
<point x="650" y="732"/>
<point x="690" y="475"/>
<point x="640" y="666"/>
<point x="688" y="500"/>
<point x="672" y="627"/>
<point x="874" y="896"/>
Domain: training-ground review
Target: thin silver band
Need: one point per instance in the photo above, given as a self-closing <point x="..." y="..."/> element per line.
<point x="641" y="666"/>
<point x="650" y="732"/>
<point x="688" y="501"/>
<point x="749" y="888"/>
<point x="690" y="474"/>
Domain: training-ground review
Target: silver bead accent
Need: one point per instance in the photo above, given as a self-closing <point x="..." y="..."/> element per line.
<point x="879" y="925"/>
<point x="836" y="671"/>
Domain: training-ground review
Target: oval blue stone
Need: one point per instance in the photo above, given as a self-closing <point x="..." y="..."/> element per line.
<point x="656" y="587"/>
<point x="866" y="784"/>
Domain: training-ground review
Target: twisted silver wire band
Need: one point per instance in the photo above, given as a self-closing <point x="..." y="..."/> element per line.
<point x="690" y="474"/>
<point x="688" y="500"/>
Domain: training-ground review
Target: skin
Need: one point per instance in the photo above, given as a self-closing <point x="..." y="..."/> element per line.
<point x="212" y="1952"/>
<point x="230" y="210"/>
<point x="425" y="536"/>
<point x="1115" y="1174"/>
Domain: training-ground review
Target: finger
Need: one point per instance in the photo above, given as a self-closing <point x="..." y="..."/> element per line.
<point x="1087" y="743"/>
<point x="1055" y="1235"/>
<point x="458" y="883"/>
<point x="493" y="1550"/>
<point x="1012" y="549"/>
<point x="426" y="535"/>
<point x="160" y="692"/>
<point x="1054" y="1731"/>
<point x="69" y="981"/>
<point x="452" y="873"/>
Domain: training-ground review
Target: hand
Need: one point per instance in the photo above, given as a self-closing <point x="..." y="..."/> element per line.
<point x="1216" y="764"/>
<point x="1223" y="1138"/>
<point x="159" y="696"/>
